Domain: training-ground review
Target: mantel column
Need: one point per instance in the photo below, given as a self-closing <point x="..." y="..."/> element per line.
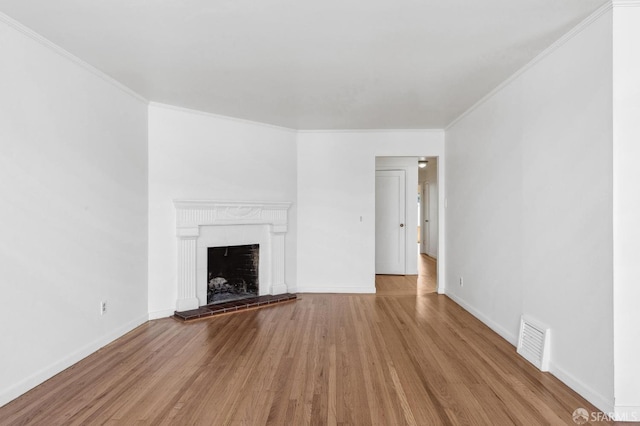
<point x="278" y="284"/>
<point x="187" y="299"/>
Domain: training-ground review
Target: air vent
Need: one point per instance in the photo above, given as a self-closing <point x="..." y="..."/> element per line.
<point x="533" y="343"/>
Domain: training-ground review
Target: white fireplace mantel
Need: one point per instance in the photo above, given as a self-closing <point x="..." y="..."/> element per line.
<point x="191" y="215"/>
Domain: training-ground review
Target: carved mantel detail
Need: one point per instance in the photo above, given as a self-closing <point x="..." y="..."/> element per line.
<point x="191" y="215"/>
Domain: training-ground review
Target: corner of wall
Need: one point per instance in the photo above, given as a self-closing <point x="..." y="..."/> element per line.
<point x="603" y="403"/>
<point x="40" y="376"/>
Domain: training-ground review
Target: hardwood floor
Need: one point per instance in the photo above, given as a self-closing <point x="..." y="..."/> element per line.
<point x="410" y="285"/>
<point x="404" y="356"/>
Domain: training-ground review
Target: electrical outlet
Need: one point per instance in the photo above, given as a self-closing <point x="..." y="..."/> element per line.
<point x="461" y="282"/>
<point x="103" y="307"/>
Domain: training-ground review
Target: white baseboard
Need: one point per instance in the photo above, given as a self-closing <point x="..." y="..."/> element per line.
<point x="337" y="289"/>
<point x="14" y="391"/>
<point x="626" y="414"/>
<point x="504" y="333"/>
<point x="165" y="313"/>
<point x="601" y="402"/>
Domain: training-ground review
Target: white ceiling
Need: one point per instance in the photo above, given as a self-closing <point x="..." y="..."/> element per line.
<point x="329" y="64"/>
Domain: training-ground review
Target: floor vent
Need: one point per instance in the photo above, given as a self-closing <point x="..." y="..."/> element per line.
<point x="533" y="343"/>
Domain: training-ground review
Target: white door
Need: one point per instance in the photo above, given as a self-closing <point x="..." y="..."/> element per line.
<point x="424" y="226"/>
<point x="390" y="222"/>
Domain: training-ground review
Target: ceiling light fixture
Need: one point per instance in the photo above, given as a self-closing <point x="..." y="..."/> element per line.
<point x="422" y="164"/>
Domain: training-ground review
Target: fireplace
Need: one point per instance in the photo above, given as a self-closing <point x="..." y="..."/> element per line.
<point x="202" y="224"/>
<point x="232" y="272"/>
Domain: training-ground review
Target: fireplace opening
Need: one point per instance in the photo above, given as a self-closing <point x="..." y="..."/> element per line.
<point x="232" y="272"/>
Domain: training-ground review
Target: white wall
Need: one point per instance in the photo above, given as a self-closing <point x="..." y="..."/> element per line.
<point x="410" y="167"/>
<point x="626" y="208"/>
<point x="529" y="217"/>
<point x="73" y="184"/>
<point x="336" y="186"/>
<point x="195" y="155"/>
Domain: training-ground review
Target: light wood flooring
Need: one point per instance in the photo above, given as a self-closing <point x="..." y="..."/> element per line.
<point x="403" y="356"/>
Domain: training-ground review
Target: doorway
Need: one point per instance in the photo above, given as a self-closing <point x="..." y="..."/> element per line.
<point x="402" y="225"/>
<point x="424" y="218"/>
<point x="429" y="207"/>
<point x="421" y="184"/>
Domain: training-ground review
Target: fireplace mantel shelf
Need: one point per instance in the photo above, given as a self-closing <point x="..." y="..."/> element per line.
<point x="192" y="215"/>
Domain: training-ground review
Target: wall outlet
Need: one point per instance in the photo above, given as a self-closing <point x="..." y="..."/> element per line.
<point x="103" y="307"/>
<point x="461" y="282"/>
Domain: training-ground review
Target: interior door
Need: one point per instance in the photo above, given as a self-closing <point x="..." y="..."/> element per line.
<point x="390" y="222"/>
<point x="425" y="240"/>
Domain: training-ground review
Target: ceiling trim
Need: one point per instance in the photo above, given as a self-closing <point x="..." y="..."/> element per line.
<point x="220" y="117"/>
<point x="69" y="56"/>
<point x="626" y="3"/>
<point x="373" y="131"/>
<point x="597" y="14"/>
<point x="286" y="129"/>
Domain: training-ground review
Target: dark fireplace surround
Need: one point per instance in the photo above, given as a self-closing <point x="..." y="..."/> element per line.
<point x="232" y="273"/>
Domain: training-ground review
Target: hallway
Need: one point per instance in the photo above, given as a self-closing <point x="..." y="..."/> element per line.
<point x="419" y="285"/>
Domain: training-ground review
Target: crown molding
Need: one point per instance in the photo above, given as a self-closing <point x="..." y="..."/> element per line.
<point x="373" y="131"/>
<point x="626" y="3"/>
<point x="597" y="14"/>
<point x="95" y="71"/>
<point x="69" y="56"/>
<point x="219" y="117"/>
<point x="286" y="129"/>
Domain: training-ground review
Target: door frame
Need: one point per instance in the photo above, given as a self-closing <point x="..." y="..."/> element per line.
<point x="439" y="155"/>
<point x="424" y="218"/>
<point x="410" y="167"/>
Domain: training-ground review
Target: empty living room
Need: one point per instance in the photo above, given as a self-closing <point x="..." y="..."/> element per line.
<point x="209" y="212"/>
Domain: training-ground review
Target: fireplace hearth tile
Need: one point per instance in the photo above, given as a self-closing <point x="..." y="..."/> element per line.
<point x="233" y="306"/>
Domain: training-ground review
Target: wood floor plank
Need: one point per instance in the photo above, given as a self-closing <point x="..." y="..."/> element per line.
<point x="404" y="356"/>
